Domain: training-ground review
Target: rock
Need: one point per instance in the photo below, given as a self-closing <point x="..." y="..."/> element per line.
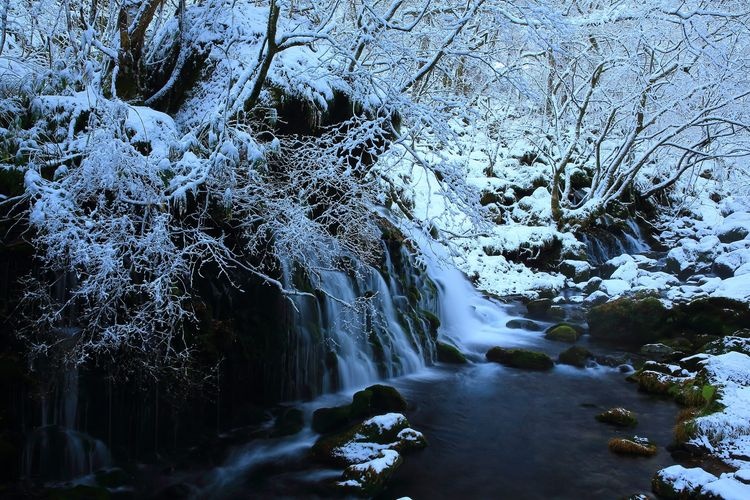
<point x="619" y="417"/>
<point x="562" y="332"/>
<point x="680" y="483"/>
<point x="383" y="399"/>
<point x="637" y="446"/>
<point x="628" y="321"/>
<point x="575" y="356"/>
<point x="447" y="353"/>
<point x="290" y="421"/>
<point x="657" y="352"/>
<point x="657" y="383"/>
<point x="577" y="270"/>
<point x="615" y="287"/>
<point x="736" y="227"/>
<point x="325" y="420"/>
<point x="409" y="439"/>
<point x="673" y="370"/>
<point x="694" y="363"/>
<point x="713" y="316"/>
<point x="727" y="344"/>
<point x="520" y="358"/>
<point x="608" y="268"/>
<point x="369" y="478"/>
<point x="524" y="324"/>
<point x="592" y="285"/>
<point x="596" y="298"/>
<point x="539" y="308"/>
<point x="556" y="312"/>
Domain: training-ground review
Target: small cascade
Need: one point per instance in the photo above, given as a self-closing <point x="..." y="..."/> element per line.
<point x="357" y="327"/>
<point x="611" y="239"/>
<point x="56" y="450"/>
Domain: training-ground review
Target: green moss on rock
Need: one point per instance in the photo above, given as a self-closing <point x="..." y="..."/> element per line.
<point x="520" y="358"/>
<point x="619" y="417"/>
<point x="575" y="356"/>
<point x="629" y="321"/>
<point x="447" y="353"/>
<point x="562" y="333"/>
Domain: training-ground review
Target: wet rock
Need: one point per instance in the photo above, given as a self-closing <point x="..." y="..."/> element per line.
<point x="520" y="358"/>
<point x="657" y="352"/>
<point x="628" y="321"/>
<point x="524" y="324"/>
<point x="562" y="332"/>
<point x="619" y="417"/>
<point x="377" y="399"/>
<point x="539" y="308"/>
<point x="636" y="446"/>
<point x="447" y="353"/>
<point x="556" y="312"/>
<point x="575" y="356"/>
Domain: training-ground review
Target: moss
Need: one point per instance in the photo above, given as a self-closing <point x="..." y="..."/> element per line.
<point x="619" y="417"/>
<point x="562" y="333"/>
<point x="656" y="383"/>
<point x="447" y="353"/>
<point x="575" y="356"/>
<point x="432" y="320"/>
<point x="629" y="321"/>
<point x="714" y="316"/>
<point x="635" y="447"/>
<point x="520" y="358"/>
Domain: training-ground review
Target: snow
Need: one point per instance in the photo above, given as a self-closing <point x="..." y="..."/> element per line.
<point x="726" y="488"/>
<point x="386" y="422"/>
<point x="726" y="432"/>
<point x="614" y="287"/>
<point x="685" y="480"/>
<point x="385" y="460"/>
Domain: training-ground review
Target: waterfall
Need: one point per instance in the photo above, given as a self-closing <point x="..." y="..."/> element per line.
<point x="610" y="239"/>
<point x="364" y="325"/>
<point x="57" y="449"/>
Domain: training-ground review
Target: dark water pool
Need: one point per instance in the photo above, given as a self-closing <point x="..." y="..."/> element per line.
<point x="497" y="432"/>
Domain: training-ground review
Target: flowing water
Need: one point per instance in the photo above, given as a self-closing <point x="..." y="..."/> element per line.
<point x="494" y="432"/>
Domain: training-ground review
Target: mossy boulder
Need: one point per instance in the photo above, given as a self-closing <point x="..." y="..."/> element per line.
<point x="657" y="351"/>
<point x="713" y="316"/>
<point x="635" y="446"/>
<point x="562" y="332"/>
<point x="629" y="321"/>
<point x="727" y="344"/>
<point x="539" y="308"/>
<point x="619" y="417"/>
<point x="575" y="356"/>
<point x="377" y="399"/>
<point x="447" y="353"/>
<point x="369" y="478"/>
<point x="520" y="358"/>
<point x="524" y="324"/>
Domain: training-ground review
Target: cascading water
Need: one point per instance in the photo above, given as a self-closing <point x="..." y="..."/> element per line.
<point x="610" y="240"/>
<point x="57" y="450"/>
<point x="367" y="323"/>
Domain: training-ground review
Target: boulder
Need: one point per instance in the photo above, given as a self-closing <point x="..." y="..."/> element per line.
<point x="736" y="227"/>
<point x="596" y="298"/>
<point x="370" y="401"/>
<point x="577" y="270"/>
<point x="713" y="316"/>
<point x="290" y="421"/>
<point x="326" y="420"/>
<point x="369" y="478"/>
<point x="629" y="321"/>
<point x="447" y="353"/>
<point x="636" y="446"/>
<point x="592" y="285"/>
<point x="575" y="356"/>
<point x="657" y="351"/>
<point x="619" y="417"/>
<point x="562" y="332"/>
<point x="520" y="358"/>
<point x="539" y="308"/>
<point x="680" y="483"/>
